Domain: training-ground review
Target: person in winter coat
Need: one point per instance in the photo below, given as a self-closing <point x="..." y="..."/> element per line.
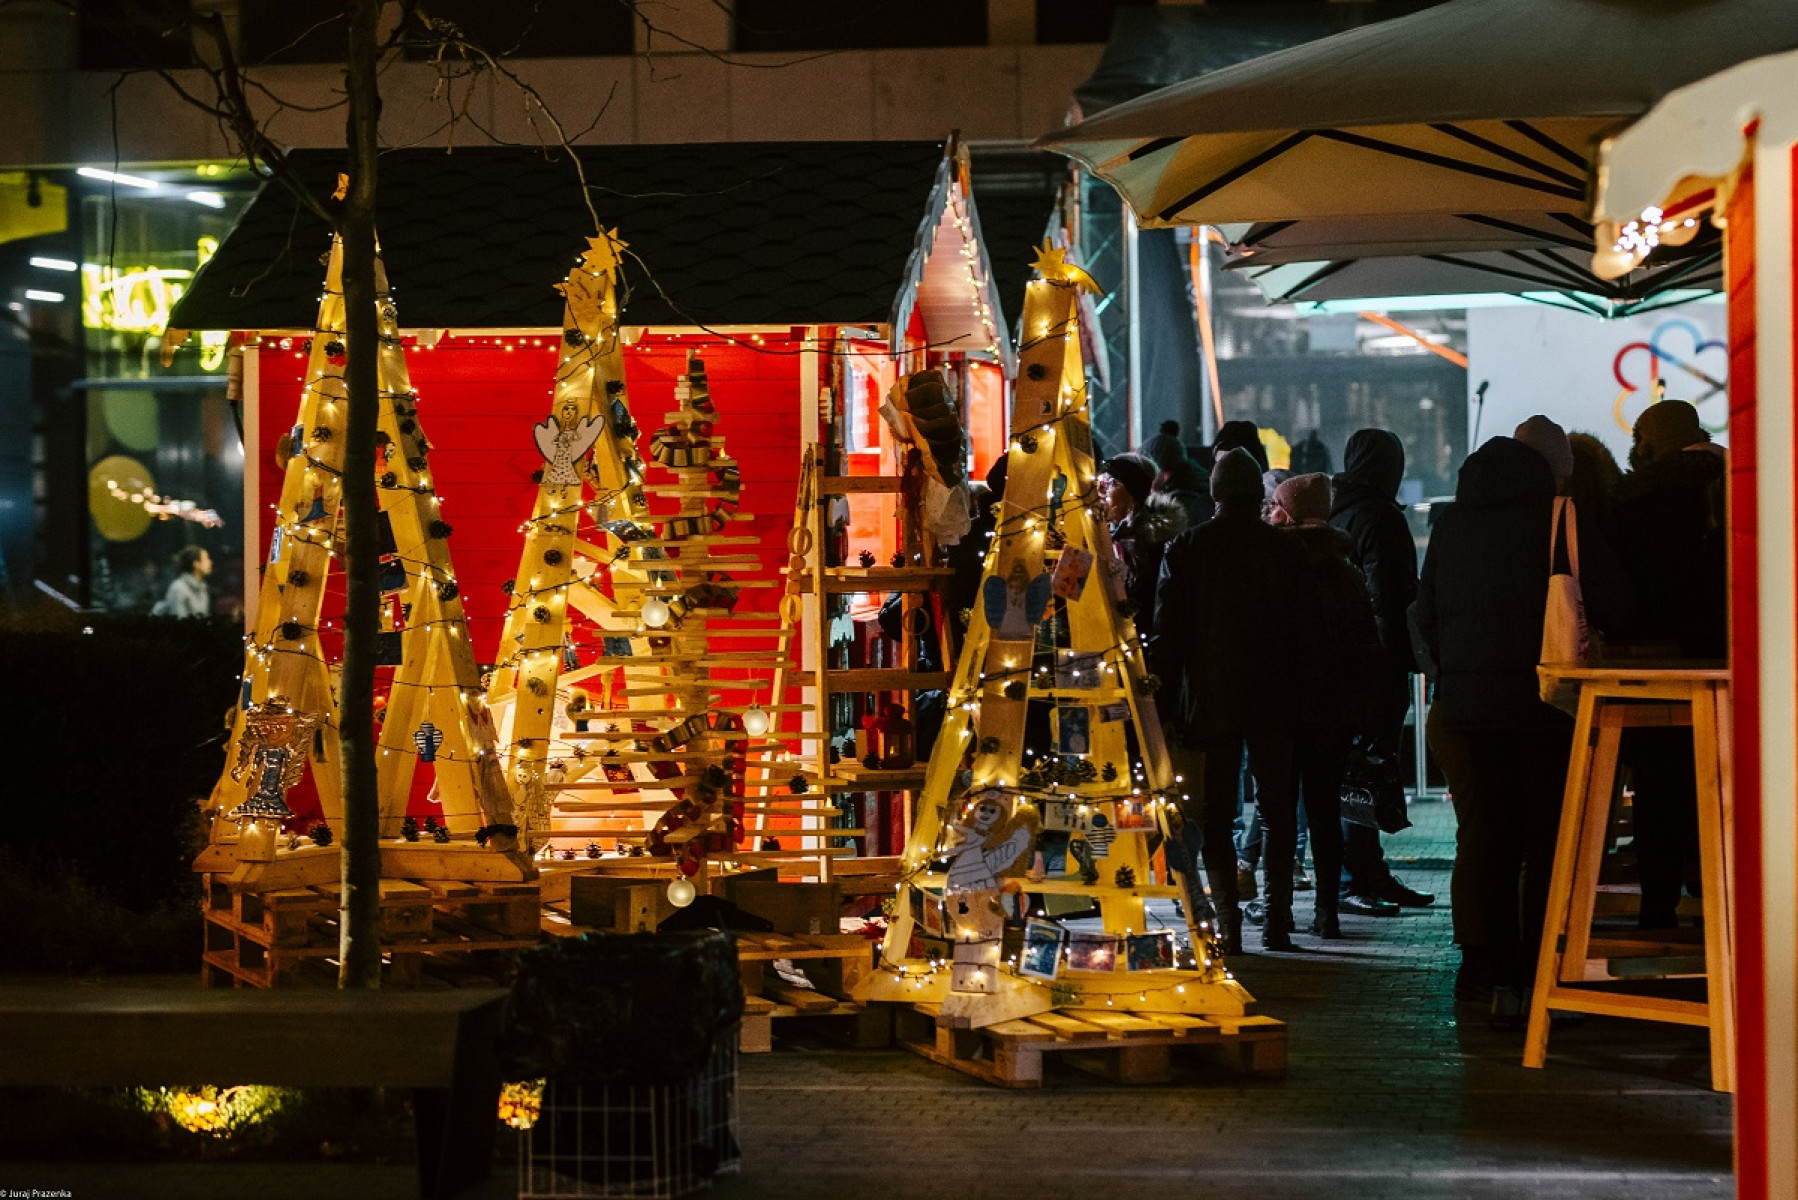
<point x="1177" y="476"/>
<point x="1142" y="524"/>
<point x="1365" y="507"/>
<point x="1480" y="610"/>
<point x="1239" y="616"/>
<point x="1669" y="531"/>
<point x="1341" y="700"/>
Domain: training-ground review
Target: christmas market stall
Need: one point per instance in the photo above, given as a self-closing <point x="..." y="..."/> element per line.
<point x="687" y="674"/>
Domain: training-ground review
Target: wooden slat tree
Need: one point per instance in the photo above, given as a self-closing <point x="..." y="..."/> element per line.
<point x="589" y="501"/>
<point x="435" y="711"/>
<point x="1048" y="636"/>
<point x="620" y="617"/>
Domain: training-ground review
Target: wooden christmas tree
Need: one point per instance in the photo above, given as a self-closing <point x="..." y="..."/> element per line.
<point x="287" y="717"/>
<point x="1073" y="812"/>
<point x="604" y="671"/>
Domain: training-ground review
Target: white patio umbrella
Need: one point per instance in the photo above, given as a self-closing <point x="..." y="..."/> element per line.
<point x="1465" y="127"/>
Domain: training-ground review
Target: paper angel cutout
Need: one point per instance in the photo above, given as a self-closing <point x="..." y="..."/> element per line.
<point x="563" y="442"/>
<point x="990" y="846"/>
<point x="1015" y="604"/>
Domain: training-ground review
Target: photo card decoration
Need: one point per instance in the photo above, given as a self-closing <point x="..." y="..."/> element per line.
<point x="1043" y="942"/>
<point x="1092" y="951"/>
<point x="1149" y="951"/>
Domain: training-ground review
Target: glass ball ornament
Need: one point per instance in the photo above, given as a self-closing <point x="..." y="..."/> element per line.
<point x="656" y="612"/>
<point x="755" y="721"/>
<point x="681" y="893"/>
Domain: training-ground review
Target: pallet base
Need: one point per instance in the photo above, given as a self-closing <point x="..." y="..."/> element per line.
<point x="432" y="933"/>
<point x="1123" y="1047"/>
<point x="834" y="964"/>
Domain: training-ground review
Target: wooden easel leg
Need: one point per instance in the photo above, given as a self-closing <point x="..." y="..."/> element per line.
<point x="1601" y="786"/>
<point x="1719" y="966"/>
<point x="1560" y="885"/>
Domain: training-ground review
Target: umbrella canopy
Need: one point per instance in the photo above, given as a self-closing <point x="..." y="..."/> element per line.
<point x="1487" y="107"/>
<point x="1287" y="262"/>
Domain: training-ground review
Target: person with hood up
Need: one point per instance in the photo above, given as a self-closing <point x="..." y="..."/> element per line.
<point x="1142" y="524"/>
<point x="1481" y="604"/>
<point x="1239" y="618"/>
<point x="1341" y="700"/>
<point x="1669" y="531"/>
<point x="1365" y="507"/>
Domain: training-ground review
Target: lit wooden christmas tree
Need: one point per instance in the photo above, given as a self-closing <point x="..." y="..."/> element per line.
<point x="997" y="815"/>
<point x="287" y="719"/>
<point x="616" y="738"/>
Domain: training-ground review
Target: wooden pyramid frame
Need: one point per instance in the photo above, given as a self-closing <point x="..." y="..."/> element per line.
<point x="1049" y="538"/>
<point x="287" y="717"/>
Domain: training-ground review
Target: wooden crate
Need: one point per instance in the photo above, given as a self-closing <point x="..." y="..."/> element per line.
<point x="437" y="932"/>
<point x="1124" y="1047"/>
<point x="834" y="964"/>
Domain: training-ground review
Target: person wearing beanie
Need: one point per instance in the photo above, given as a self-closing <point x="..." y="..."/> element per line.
<point x="1165" y="449"/>
<point x="1244" y="436"/>
<point x="1142" y="523"/>
<point x="1550" y="441"/>
<point x="1235" y="475"/>
<point x="1666" y="428"/>
<point x="1236" y="640"/>
<point x="1342" y="700"/>
<point x="1668" y="528"/>
<point x="1302" y="500"/>
<point x="1364" y="505"/>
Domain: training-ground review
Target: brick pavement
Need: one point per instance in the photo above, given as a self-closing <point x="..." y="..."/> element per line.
<point x="1393" y="1092"/>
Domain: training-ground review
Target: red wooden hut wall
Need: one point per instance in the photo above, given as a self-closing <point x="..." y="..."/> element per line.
<point x="478" y="398"/>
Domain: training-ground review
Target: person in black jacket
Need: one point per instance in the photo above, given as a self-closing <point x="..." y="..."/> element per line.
<point x="1481" y="604"/>
<point x="1341" y="700"/>
<point x="1366" y="508"/>
<point x="1668" y="527"/>
<point x="1239" y="615"/>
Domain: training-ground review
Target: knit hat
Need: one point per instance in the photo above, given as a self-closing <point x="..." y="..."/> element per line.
<point x="1135" y="472"/>
<point x="1235" y="476"/>
<point x="1305" y="499"/>
<point x="1550" y="441"/>
<point x="1164" y="449"/>
<point x="1669" y="426"/>
<point x="1244" y="436"/>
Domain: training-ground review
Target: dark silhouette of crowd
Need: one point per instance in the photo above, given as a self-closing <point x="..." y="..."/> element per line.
<point x="1287" y="615"/>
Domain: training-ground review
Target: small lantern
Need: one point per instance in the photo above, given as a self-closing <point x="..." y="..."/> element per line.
<point x="892" y="738"/>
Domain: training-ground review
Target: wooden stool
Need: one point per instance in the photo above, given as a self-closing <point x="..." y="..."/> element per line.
<point x="1611" y="700"/>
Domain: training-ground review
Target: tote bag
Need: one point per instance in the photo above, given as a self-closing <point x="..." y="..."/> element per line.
<point x="1565" y="638"/>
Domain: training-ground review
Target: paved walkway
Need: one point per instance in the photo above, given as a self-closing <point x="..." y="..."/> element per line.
<point x="1393" y="1092"/>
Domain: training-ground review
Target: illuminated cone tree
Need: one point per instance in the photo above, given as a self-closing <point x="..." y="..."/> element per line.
<point x="1000" y="817"/>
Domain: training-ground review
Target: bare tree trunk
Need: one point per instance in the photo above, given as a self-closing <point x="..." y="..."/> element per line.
<point x="360" y="946"/>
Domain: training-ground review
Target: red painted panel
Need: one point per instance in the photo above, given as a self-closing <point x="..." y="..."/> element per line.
<point x="1744" y="579"/>
<point x="477" y="401"/>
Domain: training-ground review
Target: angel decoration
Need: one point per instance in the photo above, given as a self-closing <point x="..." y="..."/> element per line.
<point x="271" y="753"/>
<point x="991" y="845"/>
<point x="1015" y="604"/>
<point x="563" y="442"/>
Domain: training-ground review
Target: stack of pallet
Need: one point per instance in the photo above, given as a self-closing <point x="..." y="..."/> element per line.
<point x="433" y="932"/>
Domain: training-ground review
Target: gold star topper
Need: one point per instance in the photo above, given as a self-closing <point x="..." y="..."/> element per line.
<point x="603" y="252"/>
<point x="1052" y="264"/>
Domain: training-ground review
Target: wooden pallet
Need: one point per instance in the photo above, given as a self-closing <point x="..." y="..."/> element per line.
<point x="1124" y="1047"/>
<point x="833" y="964"/>
<point x="437" y="931"/>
